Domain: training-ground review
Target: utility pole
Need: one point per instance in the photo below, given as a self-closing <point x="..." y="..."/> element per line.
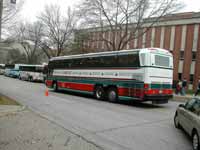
<point x="1" y="14"/>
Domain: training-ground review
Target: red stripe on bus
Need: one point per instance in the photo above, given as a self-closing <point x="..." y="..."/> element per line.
<point x="76" y="86"/>
<point x="131" y="92"/>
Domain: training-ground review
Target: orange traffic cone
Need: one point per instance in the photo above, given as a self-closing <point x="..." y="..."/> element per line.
<point x="46" y="92"/>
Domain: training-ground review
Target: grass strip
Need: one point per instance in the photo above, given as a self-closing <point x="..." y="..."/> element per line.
<point x="4" y="100"/>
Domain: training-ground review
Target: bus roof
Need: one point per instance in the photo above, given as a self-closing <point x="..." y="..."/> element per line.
<point x="109" y="53"/>
<point x="29" y="65"/>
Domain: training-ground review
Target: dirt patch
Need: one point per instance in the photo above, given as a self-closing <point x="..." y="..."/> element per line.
<point x="4" y="100"/>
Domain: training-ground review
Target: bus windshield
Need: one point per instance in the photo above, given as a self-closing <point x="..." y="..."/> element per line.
<point x="163" y="61"/>
<point x="158" y="60"/>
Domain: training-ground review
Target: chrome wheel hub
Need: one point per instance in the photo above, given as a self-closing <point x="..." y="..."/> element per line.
<point x="195" y="142"/>
<point x="99" y="94"/>
<point x="112" y="95"/>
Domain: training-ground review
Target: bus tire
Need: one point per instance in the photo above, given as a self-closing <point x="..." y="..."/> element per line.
<point x="55" y="86"/>
<point x="99" y="92"/>
<point x="112" y="94"/>
<point x="30" y="79"/>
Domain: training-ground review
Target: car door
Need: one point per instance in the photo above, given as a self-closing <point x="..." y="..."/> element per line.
<point x="187" y="115"/>
<point x="196" y="116"/>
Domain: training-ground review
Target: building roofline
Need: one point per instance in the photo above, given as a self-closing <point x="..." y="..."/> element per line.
<point x="170" y="19"/>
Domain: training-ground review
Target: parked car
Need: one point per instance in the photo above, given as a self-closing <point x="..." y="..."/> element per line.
<point x="187" y="117"/>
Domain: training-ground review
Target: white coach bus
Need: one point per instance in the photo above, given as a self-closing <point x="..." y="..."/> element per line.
<point x="141" y="74"/>
<point x="31" y="72"/>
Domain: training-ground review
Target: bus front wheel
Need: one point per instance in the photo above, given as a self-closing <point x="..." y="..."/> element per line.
<point x="99" y="93"/>
<point x="112" y="94"/>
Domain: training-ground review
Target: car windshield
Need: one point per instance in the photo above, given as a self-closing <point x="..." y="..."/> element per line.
<point x="197" y="107"/>
<point x="190" y="104"/>
<point x="193" y="106"/>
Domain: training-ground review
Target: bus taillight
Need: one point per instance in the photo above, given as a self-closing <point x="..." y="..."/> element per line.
<point x="158" y="92"/>
<point x="168" y="91"/>
<point x="151" y="92"/>
<point x="146" y="86"/>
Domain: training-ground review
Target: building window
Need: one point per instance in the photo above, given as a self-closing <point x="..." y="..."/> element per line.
<point x="193" y="55"/>
<point x="180" y="76"/>
<point x="191" y="78"/>
<point x="181" y="55"/>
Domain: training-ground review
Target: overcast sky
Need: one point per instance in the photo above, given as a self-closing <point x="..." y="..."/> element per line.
<point x="32" y="8"/>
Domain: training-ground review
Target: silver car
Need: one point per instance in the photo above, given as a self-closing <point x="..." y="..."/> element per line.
<point x="187" y="117"/>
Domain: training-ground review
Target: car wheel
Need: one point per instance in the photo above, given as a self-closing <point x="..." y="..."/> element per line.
<point x="99" y="93"/>
<point x="55" y="86"/>
<point x="112" y="94"/>
<point x="176" y="121"/>
<point x="195" y="141"/>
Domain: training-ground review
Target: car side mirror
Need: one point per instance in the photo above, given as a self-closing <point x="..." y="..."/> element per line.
<point x="182" y="105"/>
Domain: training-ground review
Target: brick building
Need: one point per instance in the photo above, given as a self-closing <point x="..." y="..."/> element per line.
<point x="179" y="33"/>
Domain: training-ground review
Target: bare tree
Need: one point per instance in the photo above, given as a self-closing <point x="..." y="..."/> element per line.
<point x="125" y="19"/>
<point x="15" y="56"/>
<point x="58" y="30"/>
<point x="29" y="37"/>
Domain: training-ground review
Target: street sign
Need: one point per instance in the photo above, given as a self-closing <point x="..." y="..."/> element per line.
<point x="13" y="1"/>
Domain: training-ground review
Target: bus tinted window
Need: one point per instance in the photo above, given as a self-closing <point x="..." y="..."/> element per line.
<point x="130" y="60"/>
<point x="2" y="67"/>
<point x="9" y="66"/>
<point x="110" y="61"/>
<point x="31" y="68"/>
<point x="38" y="69"/>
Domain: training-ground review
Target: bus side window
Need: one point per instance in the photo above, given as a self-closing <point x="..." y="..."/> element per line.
<point x="143" y="61"/>
<point x="109" y="61"/>
<point x="130" y="60"/>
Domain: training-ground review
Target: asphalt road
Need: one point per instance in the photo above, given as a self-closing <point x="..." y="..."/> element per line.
<point x="122" y="126"/>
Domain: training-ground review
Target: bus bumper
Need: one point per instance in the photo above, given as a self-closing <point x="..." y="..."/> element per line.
<point x="158" y="99"/>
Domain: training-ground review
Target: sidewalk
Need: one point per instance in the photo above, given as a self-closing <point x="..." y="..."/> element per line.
<point x="182" y="98"/>
<point x="22" y="129"/>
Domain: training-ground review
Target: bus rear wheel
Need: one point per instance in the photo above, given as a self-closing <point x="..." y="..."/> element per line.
<point x="30" y="79"/>
<point x="99" y="93"/>
<point x="112" y="94"/>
